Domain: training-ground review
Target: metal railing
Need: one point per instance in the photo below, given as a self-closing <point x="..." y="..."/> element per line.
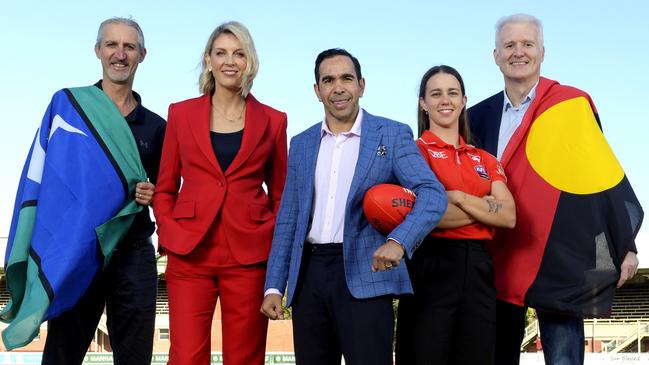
<point x="531" y="332"/>
<point x="620" y="343"/>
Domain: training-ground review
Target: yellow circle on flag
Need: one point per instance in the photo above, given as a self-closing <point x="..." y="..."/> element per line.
<point x="568" y="150"/>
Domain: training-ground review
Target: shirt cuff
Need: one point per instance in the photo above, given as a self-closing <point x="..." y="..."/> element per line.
<point x="398" y="243"/>
<point x="272" y="291"/>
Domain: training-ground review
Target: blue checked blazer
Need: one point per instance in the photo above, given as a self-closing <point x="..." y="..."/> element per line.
<point x="387" y="154"/>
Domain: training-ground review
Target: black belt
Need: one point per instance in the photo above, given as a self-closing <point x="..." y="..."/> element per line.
<point x="128" y="244"/>
<point x="324" y="248"/>
<point x="431" y="242"/>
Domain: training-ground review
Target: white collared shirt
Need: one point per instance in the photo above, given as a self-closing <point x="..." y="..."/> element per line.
<point x="334" y="172"/>
<point x="511" y="119"/>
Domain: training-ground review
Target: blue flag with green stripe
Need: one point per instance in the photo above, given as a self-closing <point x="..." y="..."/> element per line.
<point x="74" y="204"/>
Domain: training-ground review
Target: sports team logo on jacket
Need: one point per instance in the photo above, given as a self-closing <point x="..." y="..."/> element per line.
<point x="481" y="171"/>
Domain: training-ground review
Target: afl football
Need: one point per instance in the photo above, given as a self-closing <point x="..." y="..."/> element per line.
<point x="386" y="206"/>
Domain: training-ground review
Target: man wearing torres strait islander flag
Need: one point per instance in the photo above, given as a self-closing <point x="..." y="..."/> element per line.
<point x="80" y="237"/>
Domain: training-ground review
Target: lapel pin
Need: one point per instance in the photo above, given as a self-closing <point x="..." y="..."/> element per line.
<point x="381" y="151"/>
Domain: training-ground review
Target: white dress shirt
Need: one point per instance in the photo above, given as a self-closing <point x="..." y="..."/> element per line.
<point x="334" y="172"/>
<point x="511" y="119"/>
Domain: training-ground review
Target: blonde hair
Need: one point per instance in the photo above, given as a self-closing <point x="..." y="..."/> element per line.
<point x="206" y="82"/>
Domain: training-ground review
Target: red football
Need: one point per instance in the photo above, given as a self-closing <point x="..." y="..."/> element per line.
<point x="386" y="206"/>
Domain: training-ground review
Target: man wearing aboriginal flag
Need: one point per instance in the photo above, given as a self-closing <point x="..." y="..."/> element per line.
<point x="80" y="236"/>
<point x="577" y="215"/>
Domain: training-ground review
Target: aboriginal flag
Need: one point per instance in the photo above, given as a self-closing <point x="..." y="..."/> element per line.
<point x="72" y="208"/>
<point x="577" y="213"/>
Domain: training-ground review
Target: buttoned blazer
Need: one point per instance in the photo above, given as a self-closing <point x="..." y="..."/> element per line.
<point x="484" y="119"/>
<point x="192" y="192"/>
<point x="387" y="154"/>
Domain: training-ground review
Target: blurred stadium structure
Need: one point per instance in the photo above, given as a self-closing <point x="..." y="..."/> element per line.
<point x="622" y="338"/>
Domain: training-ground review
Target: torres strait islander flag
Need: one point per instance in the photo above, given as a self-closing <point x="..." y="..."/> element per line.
<point x="577" y="213"/>
<point x="72" y="208"/>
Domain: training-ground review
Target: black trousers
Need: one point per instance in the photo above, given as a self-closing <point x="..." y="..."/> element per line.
<point x="451" y="318"/>
<point x="128" y="289"/>
<point x="510" y="330"/>
<point x="329" y="323"/>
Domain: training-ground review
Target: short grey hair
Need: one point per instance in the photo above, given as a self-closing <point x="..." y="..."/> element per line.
<point x="126" y="21"/>
<point x="520" y="18"/>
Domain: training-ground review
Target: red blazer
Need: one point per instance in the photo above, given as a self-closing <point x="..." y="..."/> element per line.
<point x="192" y="191"/>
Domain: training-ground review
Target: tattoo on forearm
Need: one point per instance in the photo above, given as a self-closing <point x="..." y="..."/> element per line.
<point x="493" y="206"/>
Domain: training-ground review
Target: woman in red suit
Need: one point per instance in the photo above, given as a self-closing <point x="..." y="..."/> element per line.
<point x="215" y="219"/>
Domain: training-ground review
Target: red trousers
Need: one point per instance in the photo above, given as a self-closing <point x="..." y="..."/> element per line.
<point x="195" y="281"/>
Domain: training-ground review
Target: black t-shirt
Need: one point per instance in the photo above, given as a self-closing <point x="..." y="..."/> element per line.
<point x="148" y="129"/>
<point x="226" y="146"/>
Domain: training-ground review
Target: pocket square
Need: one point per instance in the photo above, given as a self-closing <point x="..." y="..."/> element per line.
<point x="381" y="151"/>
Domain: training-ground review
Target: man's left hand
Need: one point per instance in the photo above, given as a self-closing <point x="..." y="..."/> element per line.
<point x="629" y="267"/>
<point x="387" y="256"/>
<point x="144" y="192"/>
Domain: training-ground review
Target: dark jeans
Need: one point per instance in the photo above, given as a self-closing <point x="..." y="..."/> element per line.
<point x="329" y="323"/>
<point x="562" y="337"/>
<point x="128" y="289"/>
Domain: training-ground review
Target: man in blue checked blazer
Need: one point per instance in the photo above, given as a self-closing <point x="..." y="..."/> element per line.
<point x="339" y="273"/>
